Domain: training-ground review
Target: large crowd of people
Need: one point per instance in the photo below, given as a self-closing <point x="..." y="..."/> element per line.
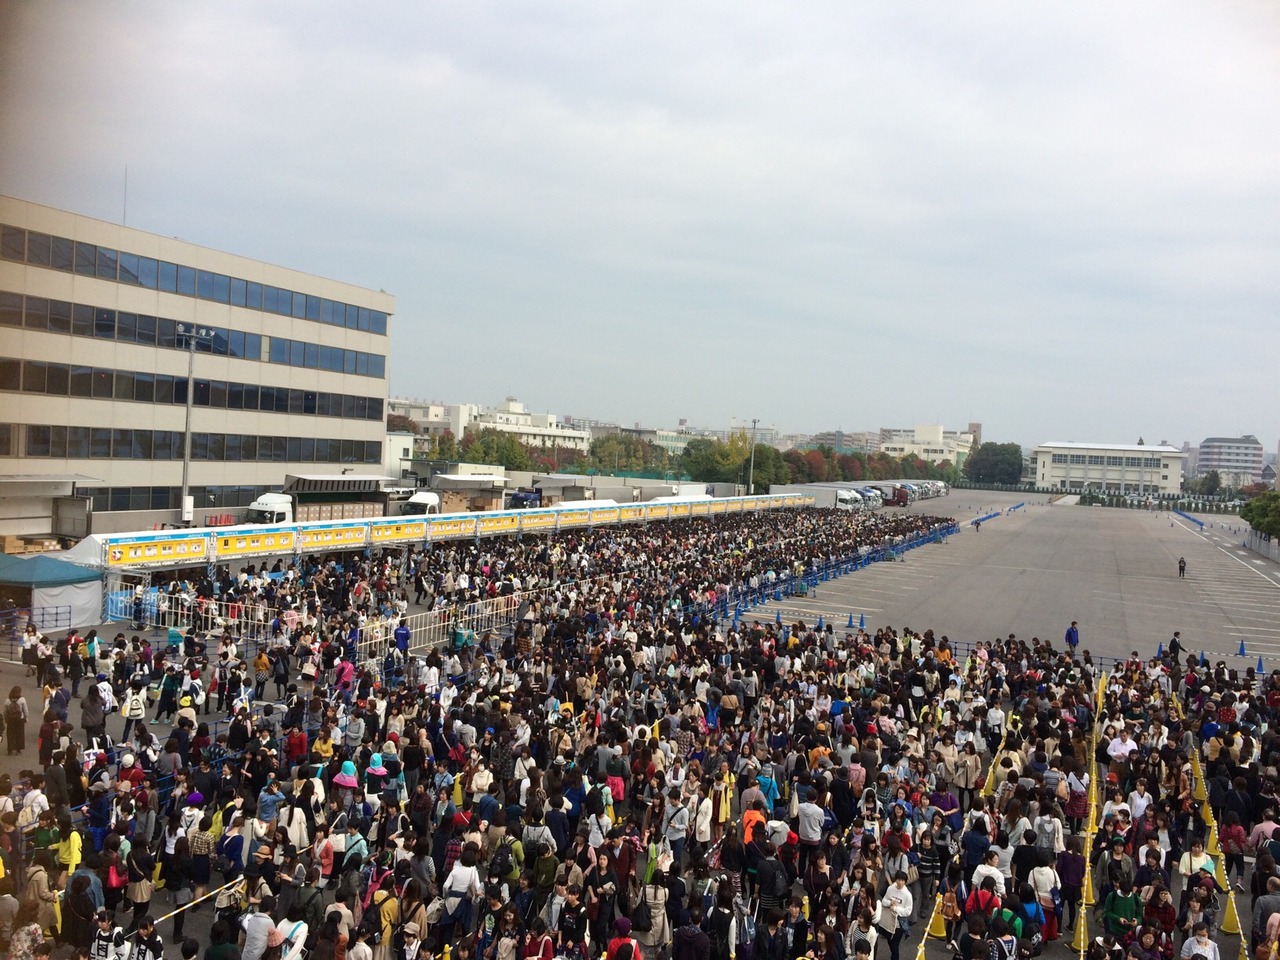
<point x="621" y="771"/>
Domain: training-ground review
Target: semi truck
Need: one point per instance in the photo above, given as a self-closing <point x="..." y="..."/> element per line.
<point x="830" y="497"/>
<point x="308" y="497"/>
<point x="893" y="493"/>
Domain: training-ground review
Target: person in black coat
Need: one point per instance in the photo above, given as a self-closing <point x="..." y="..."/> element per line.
<point x="78" y="914"/>
<point x="771" y="938"/>
<point x="691" y="943"/>
<point x="843" y="802"/>
<point x="796" y="929"/>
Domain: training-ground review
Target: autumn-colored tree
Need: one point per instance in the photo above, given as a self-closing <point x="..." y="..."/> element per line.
<point x="817" y="465"/>
<point x="399" y="422"/>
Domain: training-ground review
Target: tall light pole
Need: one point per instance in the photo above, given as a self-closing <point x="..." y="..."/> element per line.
<point x="193" y="334"/>
<point x="751" y="471"/>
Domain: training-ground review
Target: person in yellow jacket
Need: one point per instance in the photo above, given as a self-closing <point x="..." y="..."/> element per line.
<point x="70" y="846"/>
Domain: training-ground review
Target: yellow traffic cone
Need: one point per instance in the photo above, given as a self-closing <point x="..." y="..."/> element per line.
<point x="938" y="923"/>
<point x="1089" y="899"/>
<point x="448" y="951"/>
<point x="1211" y="846"/>
<point x="1198" y="774"/>
<point x="1220" y="874"/>
<point x="1230" y="919"/>
<point x="1081" y="941"/>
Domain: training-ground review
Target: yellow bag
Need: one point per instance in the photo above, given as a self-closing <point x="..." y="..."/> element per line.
<point x="216" y="829"/>
<point x="156" y="880"/>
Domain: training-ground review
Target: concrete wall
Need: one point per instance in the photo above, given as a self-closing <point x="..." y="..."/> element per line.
<point x="1262" y="547"/>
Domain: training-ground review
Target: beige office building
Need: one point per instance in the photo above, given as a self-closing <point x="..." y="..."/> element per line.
<point x="289" y="375"/>
<point x="1146" y="470"/>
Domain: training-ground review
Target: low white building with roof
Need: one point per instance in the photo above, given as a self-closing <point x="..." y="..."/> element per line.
<point x="1124" y="468"/>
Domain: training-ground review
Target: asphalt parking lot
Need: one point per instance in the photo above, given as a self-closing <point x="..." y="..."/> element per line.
<point x="1033" y="571"/>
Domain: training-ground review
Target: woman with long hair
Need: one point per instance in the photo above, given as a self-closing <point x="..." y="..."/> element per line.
<point x="600" y="890"/>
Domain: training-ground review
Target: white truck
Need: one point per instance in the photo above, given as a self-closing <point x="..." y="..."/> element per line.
<point x="307" y="497"/>
<point x="828" y="496"/>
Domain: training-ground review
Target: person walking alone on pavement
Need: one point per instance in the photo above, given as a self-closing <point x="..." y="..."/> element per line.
<point x="1182" y="567"/>
<point x="1072" y="637"/>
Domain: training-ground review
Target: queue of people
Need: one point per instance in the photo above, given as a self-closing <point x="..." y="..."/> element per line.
<point x="624" y="771"/>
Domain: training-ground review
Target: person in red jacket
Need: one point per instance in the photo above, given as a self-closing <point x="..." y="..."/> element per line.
<point x="295" y="746"/>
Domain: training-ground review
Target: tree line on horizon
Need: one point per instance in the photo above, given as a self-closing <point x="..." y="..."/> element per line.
<point x="704" y="460"/>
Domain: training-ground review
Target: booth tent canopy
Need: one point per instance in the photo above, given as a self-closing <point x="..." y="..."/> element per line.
<point x="43" y="572"/>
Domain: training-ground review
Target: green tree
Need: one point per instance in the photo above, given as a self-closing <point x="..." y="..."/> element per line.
<point x="770" y="467"/>
<point x="708" y="460"/>
<point x="491" y="445"/>
<point x="1211" y="483"/>
<point x="1263" y="513"/>
<point x="995" y="463"/>
<point x="626" y="451"/>
<point x="443" y="447"/>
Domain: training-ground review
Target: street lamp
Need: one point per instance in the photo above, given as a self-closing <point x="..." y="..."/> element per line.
<point x="751" y="471"/>
<point x="194" y="335"/>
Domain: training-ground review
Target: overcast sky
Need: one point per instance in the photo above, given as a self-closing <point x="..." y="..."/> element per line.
<point x="1060" y="220"/>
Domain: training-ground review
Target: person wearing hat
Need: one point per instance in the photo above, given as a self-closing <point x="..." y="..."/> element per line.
<point x="412" y="941"/>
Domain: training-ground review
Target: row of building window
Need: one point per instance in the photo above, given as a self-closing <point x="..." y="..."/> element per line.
<point x="115" y="499"/>
<point x="90" y="260"/>
<point x="107" y="443"/>
<point x="65" y="380"/>
<point x="1093" y="460"/>
<point x="103" y="323"/>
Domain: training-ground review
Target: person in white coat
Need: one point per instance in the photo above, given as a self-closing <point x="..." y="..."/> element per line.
<point x="898" y="899"/>
<point x="702" y="819"/>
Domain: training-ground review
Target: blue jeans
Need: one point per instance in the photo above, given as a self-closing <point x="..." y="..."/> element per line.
<point x="677" y="850"/>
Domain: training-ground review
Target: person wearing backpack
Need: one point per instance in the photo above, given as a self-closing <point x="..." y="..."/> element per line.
<point x="134" y="709"/>
<point x="308" y="905"/>
<point x="955" y="894"/>
<point x="1032" y="917"/>
<point x="1048" y="830"/>
<point x="772" y="883"/>
<point x="15" y="722"/>
<point x="1003" y="944"/>
<point x="983" y="901"/>
<point x="507" y="860"/>
<point x="722" y="925"/>
<point x="1122" y="911"/>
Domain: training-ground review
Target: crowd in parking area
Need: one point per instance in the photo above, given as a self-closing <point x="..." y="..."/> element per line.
<point x="624" y="772"/>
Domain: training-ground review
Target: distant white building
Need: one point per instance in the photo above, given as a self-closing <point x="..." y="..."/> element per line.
<point x="1109" y="467"/>
<point x="397" y="453"/>
<point x="1238" y="460"/>
<point x="535" y="429"/>
<point x="510" y="416"/>
<point x="930" y="442"/>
